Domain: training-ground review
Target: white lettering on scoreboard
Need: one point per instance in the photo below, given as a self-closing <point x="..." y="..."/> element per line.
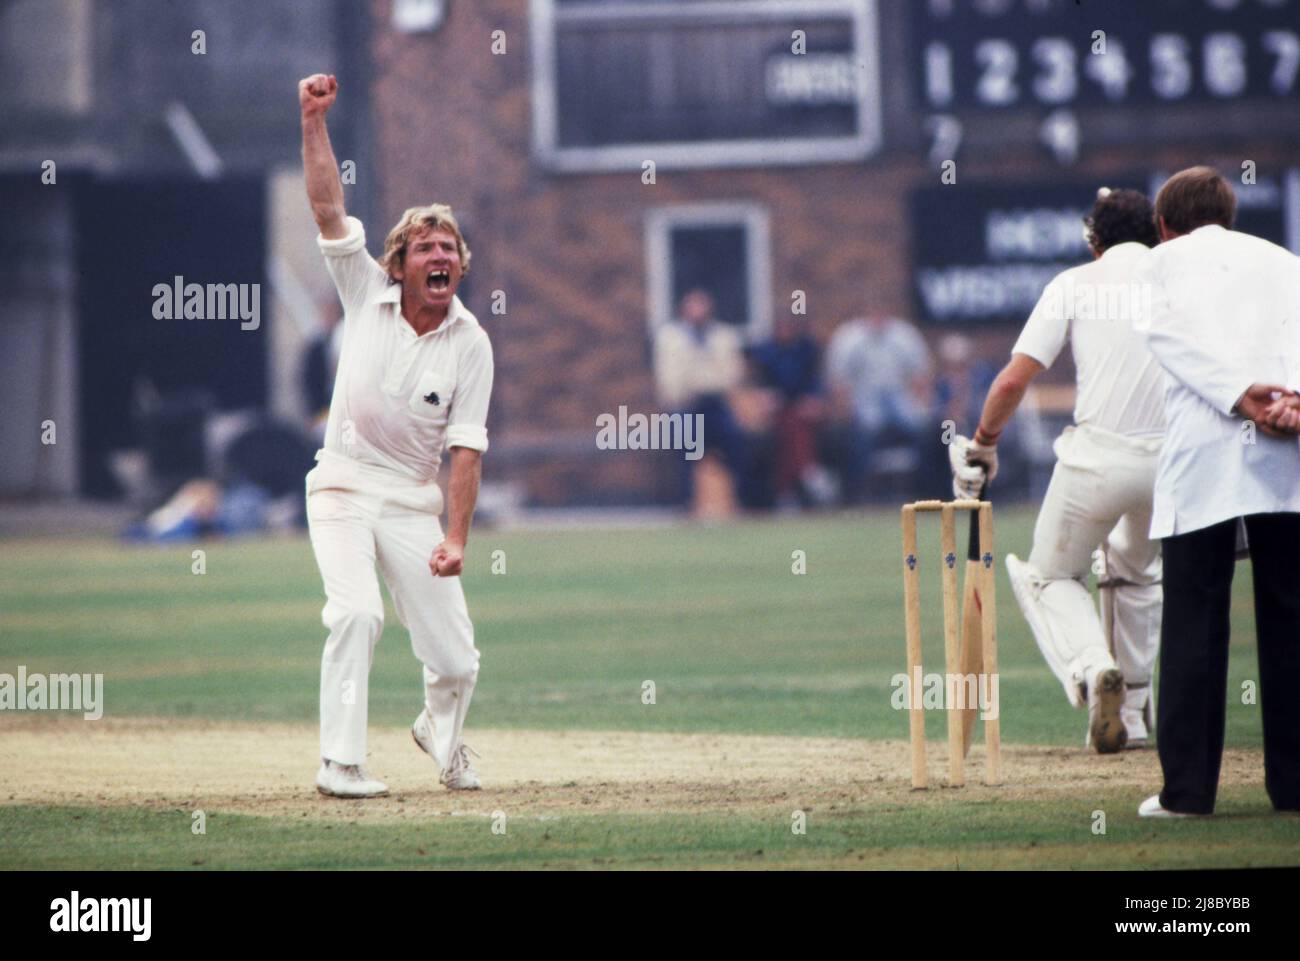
<point x="1033" y="234"/>
<point x="812" y="79"/>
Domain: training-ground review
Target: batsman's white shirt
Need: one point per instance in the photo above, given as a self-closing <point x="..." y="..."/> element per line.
<point x="1095" y="304"/>
<point x="1225" y="314"/>
<point x="1102" y="484"/>
<point x="372" y="500"/>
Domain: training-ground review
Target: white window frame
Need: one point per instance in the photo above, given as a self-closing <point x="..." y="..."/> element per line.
<point x="863" y="143"/>
<point x="754" y="217"/>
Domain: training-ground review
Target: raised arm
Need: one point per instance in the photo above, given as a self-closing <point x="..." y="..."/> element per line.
<point x="324" y="189"/>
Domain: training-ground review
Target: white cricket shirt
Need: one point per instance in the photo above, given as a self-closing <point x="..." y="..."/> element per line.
<point x="398" y="399"/>
<point x="1121" y="386"/>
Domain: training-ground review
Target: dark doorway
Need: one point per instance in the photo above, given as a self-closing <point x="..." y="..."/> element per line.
<point x="131" y="236"/>
<point x="714" y="259"/>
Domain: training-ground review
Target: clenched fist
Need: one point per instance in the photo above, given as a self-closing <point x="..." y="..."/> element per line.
<point x="448" y="559"/>
<point x="316" y="93"/>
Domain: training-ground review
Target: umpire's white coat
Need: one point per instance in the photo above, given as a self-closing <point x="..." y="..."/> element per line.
<point x="1225" y="315"/>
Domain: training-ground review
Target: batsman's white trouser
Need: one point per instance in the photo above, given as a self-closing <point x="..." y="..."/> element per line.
<point x="1101" y="492"/>
<point x="359" y="516"/>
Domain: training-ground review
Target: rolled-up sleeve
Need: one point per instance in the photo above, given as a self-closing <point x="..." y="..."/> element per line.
<point x="352" y="268"/>
<point x="467" y="420"/>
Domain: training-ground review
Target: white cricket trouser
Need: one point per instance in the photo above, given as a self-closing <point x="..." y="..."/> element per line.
<point x="1100" y="494"/>
<point x="359" y="516"/>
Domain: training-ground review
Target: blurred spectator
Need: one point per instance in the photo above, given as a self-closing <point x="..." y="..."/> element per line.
<point x="790" y="365"/>
<point x="962" y="382"/>
<point x="958" y="393"/>
<point x="697" y="357"/>
<point x="879" y="371"/>
<point x="698" y="362"/>
<point x="257" y="486"/>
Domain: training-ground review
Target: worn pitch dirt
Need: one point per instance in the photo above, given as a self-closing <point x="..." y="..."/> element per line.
<point x="269" y="769"/>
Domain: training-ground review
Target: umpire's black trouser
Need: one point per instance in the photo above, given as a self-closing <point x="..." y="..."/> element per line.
<point x="1192" y="702"/>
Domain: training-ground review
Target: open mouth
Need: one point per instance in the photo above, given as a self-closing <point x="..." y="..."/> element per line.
<point x="438" y="280"/>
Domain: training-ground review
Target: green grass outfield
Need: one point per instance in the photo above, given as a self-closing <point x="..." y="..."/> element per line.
<point x="734" y="642"/>
<point x="928" y="834"/>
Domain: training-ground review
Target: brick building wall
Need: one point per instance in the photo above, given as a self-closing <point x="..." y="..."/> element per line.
<point x="453" y="122"/>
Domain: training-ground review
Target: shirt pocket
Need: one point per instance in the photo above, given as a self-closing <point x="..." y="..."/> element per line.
<point x="430" y="402"/>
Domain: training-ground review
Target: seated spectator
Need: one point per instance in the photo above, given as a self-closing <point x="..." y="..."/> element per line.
<point x="879" y="372"/>
<point x="789" y="365"/>
<point x="698" y="362"/>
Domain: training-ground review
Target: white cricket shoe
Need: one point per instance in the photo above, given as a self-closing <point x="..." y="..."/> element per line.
<point x="422" y="731"/>
<point x="347" y="781"/>
<point x="459" y="774"/>
<point x="1152" y="808"/>
<point x="1106" y="730"/>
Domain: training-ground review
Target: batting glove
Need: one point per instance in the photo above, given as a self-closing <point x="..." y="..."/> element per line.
<point x="985" y="456"/>
<point x="967" y="479"/>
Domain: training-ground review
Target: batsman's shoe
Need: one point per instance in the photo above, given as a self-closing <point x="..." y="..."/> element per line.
<point x="1106" y="731"/>
<point x="460" y="774"/>
<point x="1137" y="715"/>
<point x="1152" y="808"/>
<point x="347" y="781"/>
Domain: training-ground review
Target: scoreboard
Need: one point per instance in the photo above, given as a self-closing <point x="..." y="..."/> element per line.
<point x="744" y="83"/>
<point x="703" y="83"/>
<point x="992" y="55"/>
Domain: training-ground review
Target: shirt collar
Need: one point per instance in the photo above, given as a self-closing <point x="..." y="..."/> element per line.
<point x="456" y="314"/>
<point x="1130" y="248"/>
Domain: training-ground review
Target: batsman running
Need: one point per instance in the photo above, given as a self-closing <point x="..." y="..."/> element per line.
<point x="1102" y="486"/>
<point x="414" y="376"/>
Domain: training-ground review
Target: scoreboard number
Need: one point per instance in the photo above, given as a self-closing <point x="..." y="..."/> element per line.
<point x="1004" y="54"/>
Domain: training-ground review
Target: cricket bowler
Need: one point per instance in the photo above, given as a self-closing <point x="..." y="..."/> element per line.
<point x="1102" y="486"/>
<point x="414" y="376"/>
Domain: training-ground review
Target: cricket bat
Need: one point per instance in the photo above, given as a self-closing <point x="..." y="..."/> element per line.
<point x="972" y="634"/>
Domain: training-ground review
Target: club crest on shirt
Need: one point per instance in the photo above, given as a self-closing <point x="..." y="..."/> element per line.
<point x="432" y="398"/>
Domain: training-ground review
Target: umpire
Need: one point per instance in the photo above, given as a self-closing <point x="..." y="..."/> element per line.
<point x="1225" y="326"/>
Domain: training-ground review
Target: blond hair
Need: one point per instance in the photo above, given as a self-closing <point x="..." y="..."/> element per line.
<point x="413" y="222"/>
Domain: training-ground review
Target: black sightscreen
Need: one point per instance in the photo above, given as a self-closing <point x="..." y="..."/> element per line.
<point x="132" y="235"/>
